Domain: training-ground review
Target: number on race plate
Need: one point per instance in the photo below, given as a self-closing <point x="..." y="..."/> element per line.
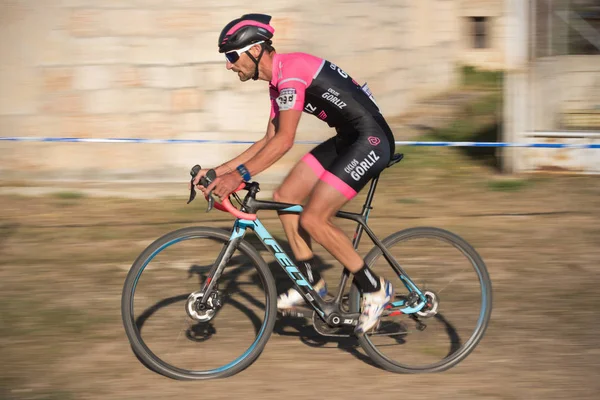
<point x="286" y="99"/>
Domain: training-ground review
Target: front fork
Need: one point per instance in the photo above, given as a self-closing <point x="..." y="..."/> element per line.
<point x="217" y="269"/>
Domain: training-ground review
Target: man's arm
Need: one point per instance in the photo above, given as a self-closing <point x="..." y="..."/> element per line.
<point x="272" y="151"/>
<point x="249" y="153"/>
<point x="278" y="145"/>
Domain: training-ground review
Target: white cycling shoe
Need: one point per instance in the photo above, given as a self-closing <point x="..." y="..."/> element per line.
<point x="373" y="305"/>
<point x="292" y="298"/>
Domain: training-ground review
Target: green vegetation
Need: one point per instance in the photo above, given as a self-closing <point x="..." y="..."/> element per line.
<point x="69" y="195"/>
<point x="473" y="77"/>
<point x="512" y="185"/>
<point x="478" y="120"/>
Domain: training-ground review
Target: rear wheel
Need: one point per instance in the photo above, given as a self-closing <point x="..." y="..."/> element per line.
<point x="456" y="284"/>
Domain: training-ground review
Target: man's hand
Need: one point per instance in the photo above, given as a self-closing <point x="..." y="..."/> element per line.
<point x="224" y="185"/>
<point x="196" y="183"/>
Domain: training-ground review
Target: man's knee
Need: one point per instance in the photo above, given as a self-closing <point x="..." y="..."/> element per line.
<point x="281" y="196"/>
<point x="277" y="196"/>
<point x="311" y="221"/>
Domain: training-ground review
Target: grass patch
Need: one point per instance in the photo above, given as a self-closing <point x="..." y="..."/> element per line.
<point x="476" y="122"/>
<point x="459" y="130"/>
<point x="68" y="195"/>
<point x="471" y="76"/>
<point x="433" y="351"/>
<point x="507" y="185"/>
<point x="19" y="319"/>
<point x="488" y="105"/>
<point x="479" y="120"/>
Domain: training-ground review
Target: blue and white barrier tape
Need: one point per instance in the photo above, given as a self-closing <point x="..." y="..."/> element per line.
<point x="213" y="141"/>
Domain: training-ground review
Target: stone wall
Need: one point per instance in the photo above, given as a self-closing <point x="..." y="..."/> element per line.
<point x="561" y="85"/>
<point x="492" y="55"/>
<point x="150" y="69"/>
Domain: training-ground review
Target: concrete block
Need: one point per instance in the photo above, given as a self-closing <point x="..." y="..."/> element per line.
<point x="170" y="77"/>
<point x="57" y="48"/>
<point x="106" y="101"/>
<point x="157" y="51"/>
<point x="199" y="48"/>
<point x="156" y="77"/>
<point x="238" y="111"/>
<point x="129" y="22"/>
<point x="153" y="126"/>
<point x="146" y="100"/>
<point x="98" y="4"/>
<point x="56" y="79"/>
<point x="128" y="76"/>
<point x="189" y="99"/>
<point x="190" y="121"/>
<point x="100" y="50"/>
<point x="92" y="77"/>
<point x="28" y="125"/>
<point x="94" y="126"/>
<point x="63" y="103"/>
<point x="180" y="22"/>
<point x="183" y="76"/>
<point x="85" y="23"/>
<point x="215" y="76"/>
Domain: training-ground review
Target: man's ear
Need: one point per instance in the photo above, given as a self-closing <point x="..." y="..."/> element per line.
<point x="255" y="50"/>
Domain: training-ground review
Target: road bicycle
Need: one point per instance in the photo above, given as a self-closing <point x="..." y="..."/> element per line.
<point x="218" y="297"/>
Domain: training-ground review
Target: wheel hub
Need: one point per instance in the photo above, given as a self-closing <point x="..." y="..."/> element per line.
<point x="202" y="312"/>
<point x="431" y="307"/>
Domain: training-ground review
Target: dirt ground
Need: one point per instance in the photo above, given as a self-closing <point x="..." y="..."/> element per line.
<point x="64" y="257"/>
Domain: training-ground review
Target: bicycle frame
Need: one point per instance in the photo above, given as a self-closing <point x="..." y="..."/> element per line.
<point x="329" y="311"/>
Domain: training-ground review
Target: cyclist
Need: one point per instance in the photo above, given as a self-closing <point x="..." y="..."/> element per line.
<point x="330" y="174"/>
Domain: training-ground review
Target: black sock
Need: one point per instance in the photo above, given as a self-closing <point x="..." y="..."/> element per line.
<point x="308" y="269"/>
<point x="367" y="280"/>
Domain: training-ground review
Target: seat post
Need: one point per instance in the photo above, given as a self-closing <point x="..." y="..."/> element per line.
<point x="370" y="195"/>
<point x="365" y="211"/>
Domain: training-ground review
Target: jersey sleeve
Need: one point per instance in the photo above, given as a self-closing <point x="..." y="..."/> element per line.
<point x="273" y="94"/>
<point x="295" y="78"/>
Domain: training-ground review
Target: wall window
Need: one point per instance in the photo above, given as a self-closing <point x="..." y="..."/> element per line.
<point x="480" y="32"/>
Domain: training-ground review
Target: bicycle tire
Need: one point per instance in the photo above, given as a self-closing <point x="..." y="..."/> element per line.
<point x="153" y="362"/>
<point x="486" y="288"/>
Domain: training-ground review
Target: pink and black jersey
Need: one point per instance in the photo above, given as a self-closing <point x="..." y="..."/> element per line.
<point x="311" y="84"/>
<point x="364" y="143"/>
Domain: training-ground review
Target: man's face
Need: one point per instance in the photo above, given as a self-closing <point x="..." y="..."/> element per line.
<point x="244" y="66"/>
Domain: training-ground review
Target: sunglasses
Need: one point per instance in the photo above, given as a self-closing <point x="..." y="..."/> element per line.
<point x="234" y="55"/>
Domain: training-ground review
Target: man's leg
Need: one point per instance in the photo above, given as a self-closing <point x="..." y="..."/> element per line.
<point x="324" y="203"/>
<point x="294" y="189"/>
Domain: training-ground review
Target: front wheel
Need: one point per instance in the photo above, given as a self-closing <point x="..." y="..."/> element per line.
<point x="431" y="335"/>
<point x="177" y="335"/>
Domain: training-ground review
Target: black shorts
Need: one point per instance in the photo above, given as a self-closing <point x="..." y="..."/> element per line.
<point x="350" y="159"/>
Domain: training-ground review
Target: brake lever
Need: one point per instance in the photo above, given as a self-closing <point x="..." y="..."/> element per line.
<point x="205" y="181"/>
<point x="193" y="172"/>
